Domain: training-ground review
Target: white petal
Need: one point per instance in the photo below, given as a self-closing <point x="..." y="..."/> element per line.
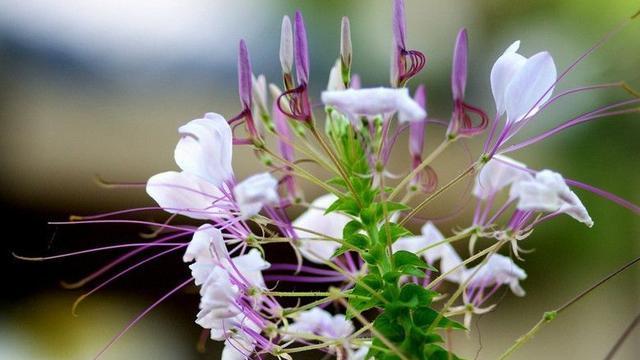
<point x="250" y="267"/>
<point x="549" y="192"/>
<point x="503" y="71"/>
<point x="314" y="219"/>
<point x="255" y="192"/>
<point x="532" y="85"/>
<point x="205" y="148"/>
<point x="238" y="347"/>
<point x="498" y="269"/>
<point x="320" y="322"/>
<point x="185" y="194"/>
<point x="375" y="101"/>
<point x="199" y="247"/>
<point x="497" y="174"/>
<point x="335" y="77"/>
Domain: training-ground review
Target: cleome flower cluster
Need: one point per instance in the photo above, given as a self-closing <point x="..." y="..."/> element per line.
<point x="377" y="287"/>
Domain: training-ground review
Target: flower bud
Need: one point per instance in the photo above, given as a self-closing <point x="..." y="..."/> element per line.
<point x="286" y="46"/>
<point x="345" y="51"/>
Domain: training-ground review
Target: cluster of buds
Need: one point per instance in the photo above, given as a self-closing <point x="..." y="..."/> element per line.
<point x="351" y="243"/>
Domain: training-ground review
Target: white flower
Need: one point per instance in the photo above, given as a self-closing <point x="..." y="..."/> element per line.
<point x="375" y="101"/>
<point x="250" y="266"/>
<point x="255" y="192"/>
<point x="497" y="174"/>
<point x="204" y="155"/>
<point x="320" y="322"/>
<point x="238" y="347"/>
<point x="548" y="192"/>
<point x="218" y="296"/>
<point x="204" y="148"/>
<point x="498" y="269"/>
<point x="186" y="194"/>
<point x="316" y="220"/>
<point x="449" y="258"/>
<point x="200" y="246"/>
<point x="521" y="86"/>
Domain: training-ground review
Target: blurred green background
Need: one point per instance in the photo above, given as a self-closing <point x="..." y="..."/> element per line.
<point x="100" y="87"/>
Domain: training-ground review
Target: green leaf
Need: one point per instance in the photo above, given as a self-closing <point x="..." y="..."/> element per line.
<point x="416" y="296"/>
<point x="393" y="231"/>
<point x="346" y="205"/>
<point x="389" y="328"/>
<point x="436" y="352"/>
<point x="352" y="227"/>
<point x="359" y="241"/>
<point x="403" y="257"/>
<point x="424" y="317"/>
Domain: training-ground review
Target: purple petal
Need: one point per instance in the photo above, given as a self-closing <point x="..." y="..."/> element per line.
<point x="459" y="70"/>
<point x="301" y="50"/>
<point x="416" y="129"/>
<point x="399" y="24"/>
<point x="244" y="75"/>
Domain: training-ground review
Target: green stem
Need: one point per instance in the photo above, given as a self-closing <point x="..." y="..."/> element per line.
<point x="550" y="315"/>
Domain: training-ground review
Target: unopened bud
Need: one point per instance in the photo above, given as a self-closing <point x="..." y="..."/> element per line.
<point x="345" y="51"/>
<point x="286" y="46"/>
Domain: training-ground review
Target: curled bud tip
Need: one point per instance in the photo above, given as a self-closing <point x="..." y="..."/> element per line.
<point x="286" y="46"/>
<point x="301" y="50"/>
<point x="244" y="75"/>
<point x="459" y="68"/>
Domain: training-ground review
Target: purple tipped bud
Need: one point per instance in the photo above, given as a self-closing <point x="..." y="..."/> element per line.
<point x="345" y="49"/>
<point x="459" y="69"/>
<point x="399" y="24"/>
<point x="286" y="46"/>
<point x="417" y="128"/>
<point x="244" y="75"/>
<point x="301" y="50"/>
<point x="405" y="63"/>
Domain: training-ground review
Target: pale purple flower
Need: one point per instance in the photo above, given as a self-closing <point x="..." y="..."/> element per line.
<point x="314" y="219"/>
<point x="375" y="101"/>
<point x="498" y="270"/>
<point x="497" y="174"/>
<point x="186" y="194"/>
<point x="227" y="307"/>
<point x="205" y="149"/>
<point x="320" y="322"/>
<point x="548" y="192"/>
<point x="255" y="192"/>
<point x="522" y="85"/>
<point x="201" y="245"/>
